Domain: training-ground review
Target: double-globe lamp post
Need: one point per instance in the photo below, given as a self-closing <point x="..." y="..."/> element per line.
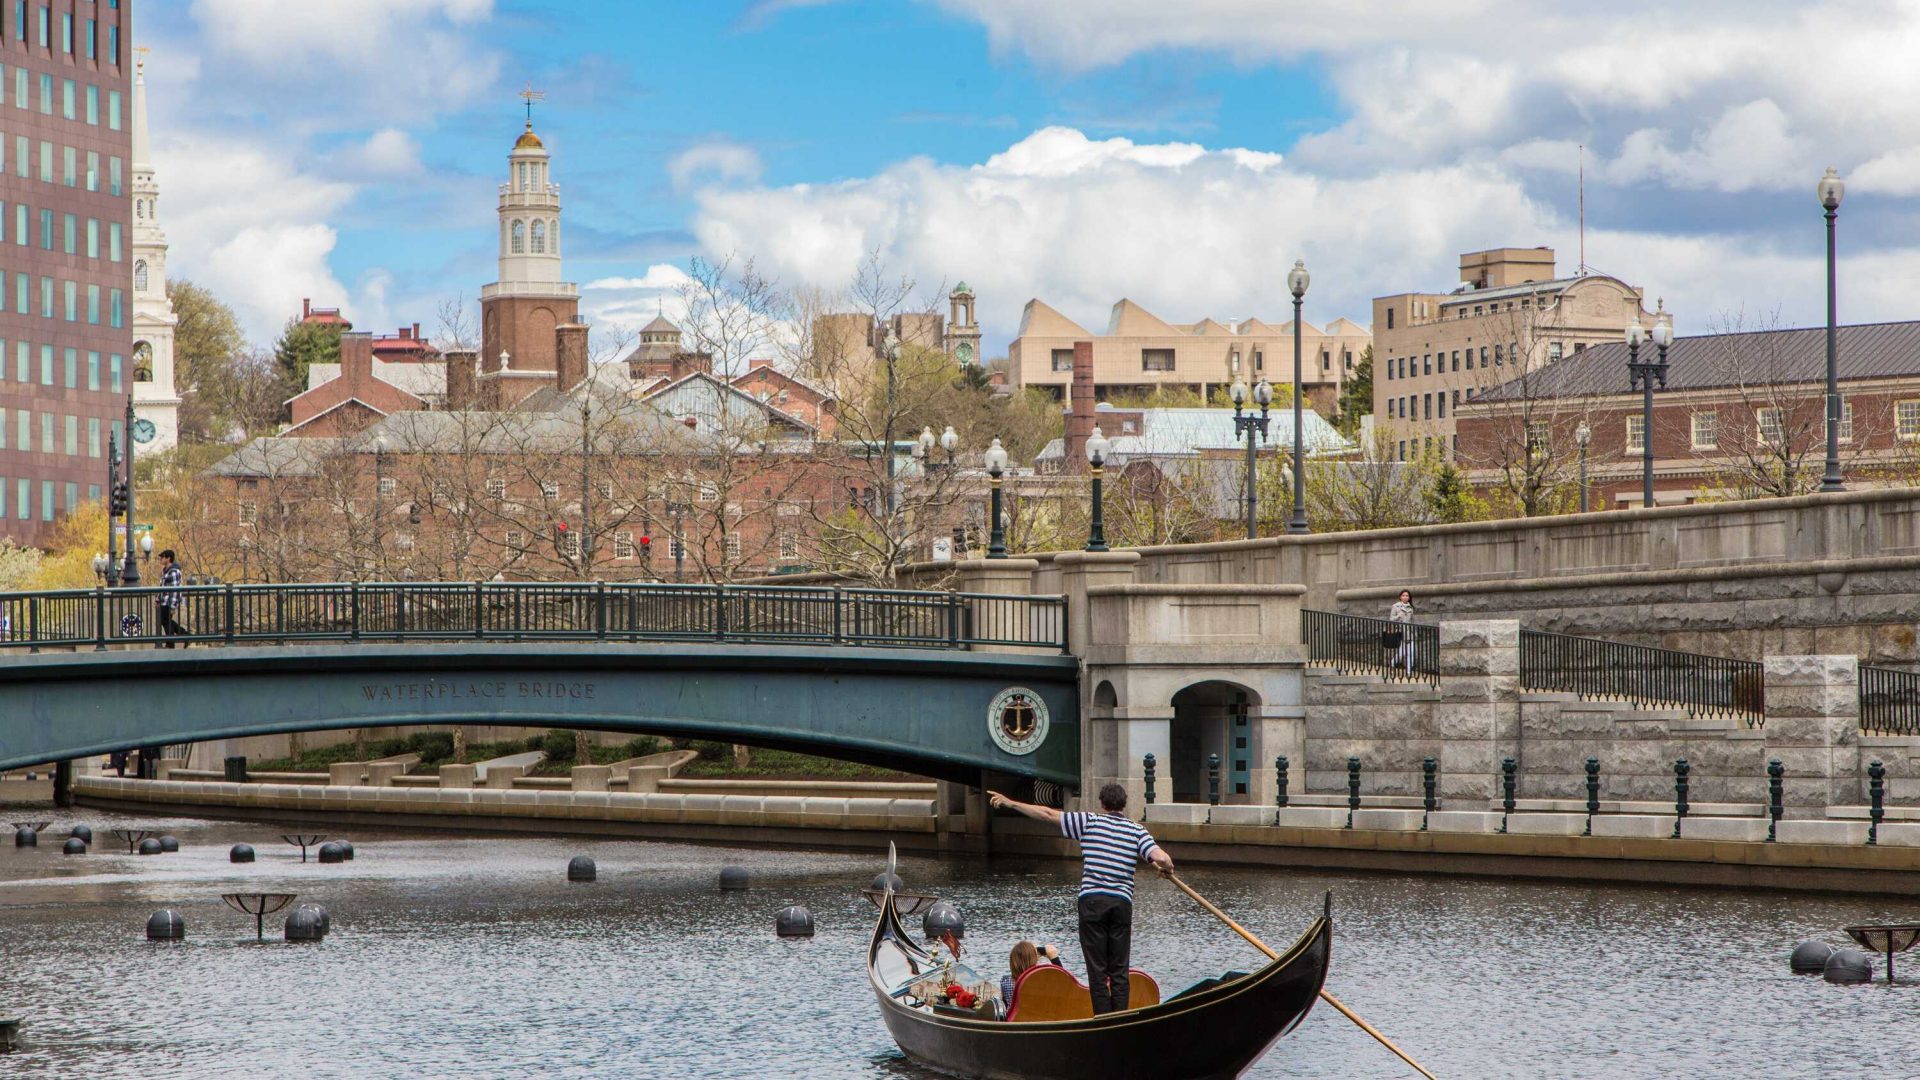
<point x="1583" y="435"/>
<point x="995" y="460"/>
<point x="1831" y="190"/>
<point x="1297" y="284"/>
<point x="1245" y="426"/>
<point x="1097" y="448"/>
<point x="1641" y="377"/>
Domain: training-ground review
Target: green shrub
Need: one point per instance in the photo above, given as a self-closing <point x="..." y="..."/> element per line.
<point x="557" y="743"/>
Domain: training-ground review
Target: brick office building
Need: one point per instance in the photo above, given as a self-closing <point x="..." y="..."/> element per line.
<point x="65" y="208"/>
<point x="1742" y="415"/>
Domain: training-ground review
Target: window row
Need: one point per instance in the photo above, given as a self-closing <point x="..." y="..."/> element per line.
<point x="67" y="300"/>
<point x="541" y="238"/>
<point x="23" y="503"/>
<point x="74" y="101"/>
<point x="70" y="234"/>
<point x="34" y="23"/>
<point x="1407" y="367"/>
<point x="1428" y="445"/>
<point x="1424" y="406"/>
<point x="36" y="159"/>
<point x="61" y="367"/>
<point x="55" y="433"/>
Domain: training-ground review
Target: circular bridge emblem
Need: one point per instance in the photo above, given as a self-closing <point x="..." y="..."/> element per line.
<point x="1017" y="720"/>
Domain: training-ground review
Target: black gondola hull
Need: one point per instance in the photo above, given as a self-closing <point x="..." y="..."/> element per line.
<point x="1216" y="1033"/>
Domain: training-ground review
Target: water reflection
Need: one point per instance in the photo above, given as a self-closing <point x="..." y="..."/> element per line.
<point x="474" y="957"/>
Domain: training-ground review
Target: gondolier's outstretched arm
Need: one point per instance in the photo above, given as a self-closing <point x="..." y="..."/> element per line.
<point x="1038" y="813"/>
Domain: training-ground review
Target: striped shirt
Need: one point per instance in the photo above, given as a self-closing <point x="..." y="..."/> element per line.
<point x="1110" y="846"/>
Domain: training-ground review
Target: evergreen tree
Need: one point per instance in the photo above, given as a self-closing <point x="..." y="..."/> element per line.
<point x="303" y="344"/>
<point x="1356" y="394"/>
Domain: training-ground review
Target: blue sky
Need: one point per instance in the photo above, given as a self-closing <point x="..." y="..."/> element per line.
<point x="1076" y="150"/>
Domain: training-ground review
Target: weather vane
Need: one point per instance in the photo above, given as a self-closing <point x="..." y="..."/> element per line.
<point x="531" y="95"/>
<point x="140" y="62"/>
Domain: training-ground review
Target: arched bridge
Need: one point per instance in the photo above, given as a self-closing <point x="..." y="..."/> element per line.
<point x="912" y="680"/>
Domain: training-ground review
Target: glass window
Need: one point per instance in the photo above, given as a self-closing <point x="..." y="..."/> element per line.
<point x="46" y="365"/>
<point x="46" y="495"/>
<point x="93" y="170"/>
<point x="93" y="436"/>
<point x="46" y="298"/>
<point x="22" y="294"/>
<point x="140" y="275"/>
<point x="1705" y="430"/>
<point x="1156" y="359"/>
<point x="46" y="94"/>
<point x="93" y="105"/>
<point x="92" y="41"/>
<point x="70" y="292"/>
<point x="93" y="304"/>
<point x="46" y="23"/>
<point x="73" y="496"/>
<point x="70" y="234"/>
<point x="93" y="492"/>
<point x="70" y="166"/>
<point x="1063" y="359"/>
<point x="1636" y="434"/>
<point x="1772" y="425"/>
<point x="539" y="237"/>
<point x="113" y="175"/>
<point x="46" y="433"/>
<point x="115" y="308"/>
<point x="72" y="359"/>
<point x="113" y="110"/>
<point x="113" y="44"/>
<point x="71" y="441"/>
<point x="19" y="88"/>
<point x="93" y="238"/>
<point x="1846" y="421"/>
<point x="519" y="233"/>
<point x="113" y="378"/>
<point x="1906" y="419"/>
<point x="66" y="34"/>
<point x="93" y="370"/>
<point x="46" y="162"/>
<point x="113" y="241"/>
<point x="22" y="156"/>
<point x="69" y="100"/>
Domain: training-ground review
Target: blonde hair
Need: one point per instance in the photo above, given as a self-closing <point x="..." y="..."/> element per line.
<point x="1024" y="956"/>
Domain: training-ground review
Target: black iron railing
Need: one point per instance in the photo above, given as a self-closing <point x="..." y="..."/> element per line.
<point x="532" y="611"/>
<point x="1599" y="670"/>
<point x="1353" y="644"/>
<point x="1889" y="701"/>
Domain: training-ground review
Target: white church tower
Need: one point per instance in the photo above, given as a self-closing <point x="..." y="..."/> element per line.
<point x="154" y="400"/>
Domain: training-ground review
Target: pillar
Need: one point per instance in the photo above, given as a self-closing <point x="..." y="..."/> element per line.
<point x="990" y="617"/>
<point x="1813" y="727"/>
<point x="1080" y="571"/>
<point x="1477" y="718"/>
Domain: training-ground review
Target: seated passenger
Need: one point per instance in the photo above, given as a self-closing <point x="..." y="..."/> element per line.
<point x="1024" y="956"/>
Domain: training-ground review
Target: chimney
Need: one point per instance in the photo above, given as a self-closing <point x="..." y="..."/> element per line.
<point x="761" y="362"/>
<point x="1080" y="411"/>
<point x="460" y="378"/>
<point x="356" y="359"/>
<point x="570" y="352"/>
<point x="306" y="306"/>
<point x="416" y="331"/>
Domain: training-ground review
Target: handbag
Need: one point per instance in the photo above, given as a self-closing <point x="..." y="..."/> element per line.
<point x="1390" y="639"/>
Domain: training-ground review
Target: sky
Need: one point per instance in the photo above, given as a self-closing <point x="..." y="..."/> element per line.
<point x="1181" y="154"/>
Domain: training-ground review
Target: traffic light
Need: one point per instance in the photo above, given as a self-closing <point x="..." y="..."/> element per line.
<point x="118" y="505"/>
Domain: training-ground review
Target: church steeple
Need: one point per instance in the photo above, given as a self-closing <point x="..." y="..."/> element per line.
<point x="520" y="312"/>
<point x="154" y="399"/>
<point x="529" y="212"/>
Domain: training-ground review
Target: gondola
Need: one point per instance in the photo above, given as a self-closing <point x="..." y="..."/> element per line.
<point x="1215" y="1030"/>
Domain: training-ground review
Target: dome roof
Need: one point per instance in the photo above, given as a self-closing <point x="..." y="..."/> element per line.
<point x="528" y="140"/>
<point x="962" y="290"/>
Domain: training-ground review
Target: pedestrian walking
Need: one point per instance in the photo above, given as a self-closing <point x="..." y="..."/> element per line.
<point x="170" y="599"/>
<point x="1396" y="636"/>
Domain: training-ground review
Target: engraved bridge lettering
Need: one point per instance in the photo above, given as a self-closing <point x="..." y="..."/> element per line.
<point x="489" y="689"/>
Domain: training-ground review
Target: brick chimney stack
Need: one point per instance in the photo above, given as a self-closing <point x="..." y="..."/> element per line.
<point x="356" y="359"/>
<point x="570" y="352"/>
<point x="461" y="373"/>
<point x="1080" y="406"/>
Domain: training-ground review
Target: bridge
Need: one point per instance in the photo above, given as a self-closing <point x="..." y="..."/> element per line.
<point x="946" y="684"/>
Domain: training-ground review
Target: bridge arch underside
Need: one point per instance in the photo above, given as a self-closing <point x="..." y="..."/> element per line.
<point x="921" y="711"/>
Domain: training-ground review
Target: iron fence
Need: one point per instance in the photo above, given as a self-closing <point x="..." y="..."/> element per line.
<point x="1356" y="644"/>
<point x="531" y="611"/>
<point x="1889" y="701"/>
<point x="1598" y="670"/>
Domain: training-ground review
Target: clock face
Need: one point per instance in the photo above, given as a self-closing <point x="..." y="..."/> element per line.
<point x="144" y="431"/>
<point x="963" y="352"/>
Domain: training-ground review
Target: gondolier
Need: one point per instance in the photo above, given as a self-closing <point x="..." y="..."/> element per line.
<point x="1111" y="845"/>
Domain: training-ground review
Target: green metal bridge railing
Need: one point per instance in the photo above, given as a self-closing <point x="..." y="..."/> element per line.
<point x="532" y="611"/>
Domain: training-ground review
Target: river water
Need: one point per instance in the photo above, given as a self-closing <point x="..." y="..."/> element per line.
<point x="456" y="956"/>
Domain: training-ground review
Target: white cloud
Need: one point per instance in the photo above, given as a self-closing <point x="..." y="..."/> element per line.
<point x="658" y="276"/>
<point x="621" y="305"/>
<point x="714" y="159"/>
<point x="387" y="154"/>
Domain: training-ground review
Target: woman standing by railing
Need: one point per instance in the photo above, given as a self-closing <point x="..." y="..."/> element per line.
<point x="1396" y="637"/>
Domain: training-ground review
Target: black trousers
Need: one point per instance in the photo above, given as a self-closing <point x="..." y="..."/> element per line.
<point x="170" y="626"/>
<point x="1106" y="940"/>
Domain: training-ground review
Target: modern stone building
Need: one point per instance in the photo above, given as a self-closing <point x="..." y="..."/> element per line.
<point x="64" y="327"/>
<point x="1434" y="351"/>
<point x="1140" y="352"/>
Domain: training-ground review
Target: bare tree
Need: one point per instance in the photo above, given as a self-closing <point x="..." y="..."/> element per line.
<point x="733" y="311"/>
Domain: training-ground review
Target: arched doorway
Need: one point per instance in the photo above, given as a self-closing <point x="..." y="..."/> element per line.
<point x="1211" y="718"/>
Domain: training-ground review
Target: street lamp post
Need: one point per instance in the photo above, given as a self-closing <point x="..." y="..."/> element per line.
<point x="111" y="573"/>
<point x="1097" y="447"/>
<point x="379" y="496"/>
<point x="996" y="462"/>
<point x="1245" y="426"/>
<point x="675" y="510"/>
<point x="1297" y="284"/>
<point x="130" y="570"/>
<point x="1831" y="189"/>
<point x="1583" y="435"/>
<point x="1641" y="377"/>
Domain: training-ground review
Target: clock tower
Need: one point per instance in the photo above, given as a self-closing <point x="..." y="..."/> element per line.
<point x="962" y="337"/>
<point x="520" y="311"/>
<point x="155" y="404"/>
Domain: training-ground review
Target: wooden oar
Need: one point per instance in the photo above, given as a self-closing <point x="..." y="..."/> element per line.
<point x="1271" y="955"/>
